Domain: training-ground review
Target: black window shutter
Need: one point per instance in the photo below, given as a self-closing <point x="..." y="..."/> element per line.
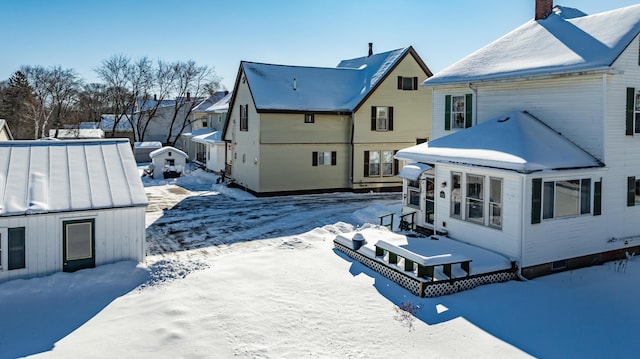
<point x="468" y="118"/>
<point x="366" y="163"/>
<point x="315" y="159"/>
<point x="396" y="163"/>
<point x="399" y="82"/>
<point x="536" y="200"/>
<point x="415" y="83"/>
<point x="597" y="198"/>
<point x="631" y="93"/>
<point x="333" y="158"/>
<point x="373" y="118"/>
<point x="631" y="191"/>
<point x="447" y="112"/>
<point x="16" y="250"/>
<point x="390" y="126"/>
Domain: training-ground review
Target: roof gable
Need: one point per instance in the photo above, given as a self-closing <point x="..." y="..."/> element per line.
<point x="515" y="141"/>
<point x="566" y="41"/>
<point x="4" y="127"/>
<point x="62" y="176"/>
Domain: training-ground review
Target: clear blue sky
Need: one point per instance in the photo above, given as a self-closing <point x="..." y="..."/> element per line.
<point x="79" y="34"/>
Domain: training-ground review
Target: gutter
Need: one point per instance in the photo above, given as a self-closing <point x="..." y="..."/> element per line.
<point x="553" y="75"/>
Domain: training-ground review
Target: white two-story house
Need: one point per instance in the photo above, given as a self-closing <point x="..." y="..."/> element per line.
<point x="536" y="143"/>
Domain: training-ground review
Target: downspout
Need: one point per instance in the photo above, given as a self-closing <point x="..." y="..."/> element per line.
<point x="522" y="224"/>
<point x="351" y="160"/>
<point x="475" y="103"/>
<point x="604" y="116"/>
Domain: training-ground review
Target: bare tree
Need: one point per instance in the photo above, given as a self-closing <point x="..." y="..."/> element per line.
<point x="191" y="83"/>
<point x="164" y="81"/>
<point x="54" y="90"/>
<point x="126" y="82"/>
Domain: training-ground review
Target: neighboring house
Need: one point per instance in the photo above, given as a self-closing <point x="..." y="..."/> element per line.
<point x="5" y="134"/>
<point x="68" y="205"/>
<point x="76" y="133"/>
<point x="141" y="150"/>
<point x="123" y="128"/>
<point x="536" y="142"/>
<point x="168" y="162"/>
<point x="208" y="117"/>
<point x="165" y="123"/>
<point x="295" y="129"/>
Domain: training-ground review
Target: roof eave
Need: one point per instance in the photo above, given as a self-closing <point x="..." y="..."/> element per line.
<point x="519" y="78"/>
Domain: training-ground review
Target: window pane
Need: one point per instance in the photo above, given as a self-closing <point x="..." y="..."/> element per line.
<point x="495" y="195"/>
<point x="567" y="198"/>
<point x="585" y="196"/>
<point x="79" y="241"/>
<point x="637" y="192"/>
<point x="381" y="118"/>
<point x="429" y="212"/>
<point x="387" y="160"/>
<point x="414" y="197"/>
<point x="637" y="122"/>
<point x="475" y="211"/>
<point x="430" y="188"/>
<point x="455" y="195"/>
<point x="16" y="248"/>
<point x="407" y="83"/>
<point x="374" y="163"/>
<point x="495" y="215"/>
<point x="548" y="200"/>
<point x="475" y="187"/>
<point x="457" y="111"/>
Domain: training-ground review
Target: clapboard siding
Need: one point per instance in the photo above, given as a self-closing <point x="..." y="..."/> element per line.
<point x="119" y="235"/>
<point x="505" y="240"/>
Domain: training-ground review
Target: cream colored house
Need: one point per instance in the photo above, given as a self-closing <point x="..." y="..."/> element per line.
<point x="295" y="129"/>
<point x="5" y="134"/>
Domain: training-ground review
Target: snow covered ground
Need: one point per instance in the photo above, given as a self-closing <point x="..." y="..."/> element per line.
<point x="230" y="275"/>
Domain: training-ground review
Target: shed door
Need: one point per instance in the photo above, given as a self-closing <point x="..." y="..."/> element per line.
<point x="78" y="245"/>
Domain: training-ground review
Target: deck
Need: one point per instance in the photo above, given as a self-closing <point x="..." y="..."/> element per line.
<point x="426" y="266"/>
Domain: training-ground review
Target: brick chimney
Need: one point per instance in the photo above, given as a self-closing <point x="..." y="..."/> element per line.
<point x="370" y="48"/>
<point x="188" y="96"/>
<point x="543" y="9"/>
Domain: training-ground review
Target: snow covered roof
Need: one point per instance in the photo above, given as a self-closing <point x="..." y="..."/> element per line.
<point x="75" y="133"/>
<point x="566" y="41"/>
<point x="148" y="144"/>
<point x="206" y="104"/>
<point x="166" y="149"/>
<point x="107" y="120"/>
<point x="198" y="132"/>
<point x="209" y="137"/>
<point x="221" y="106"/>
<point x="63" y="176"/>
<point x="413" y="170"/>
<point x="319" y="89"/>
<point x="515" y="141"/>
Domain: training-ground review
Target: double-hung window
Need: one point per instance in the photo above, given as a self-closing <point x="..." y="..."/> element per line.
<point x="381" y="118"/>
<point x="495" y="202"/>
<point x="309" y="118"/>
<point x="244" y="117"/>
<point x="324" y="158"/>
<point x="458" y="111"/>
<point x="633" y="111"/>
<point x="379" y="163"/>
<point x="15" y="249"/>
<point x="456" y="195"/>
<point x="475" y="199"/>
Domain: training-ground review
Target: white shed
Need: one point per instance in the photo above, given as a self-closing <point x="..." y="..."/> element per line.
<point x="168" y="160"/>
<point x="68" y="205"/>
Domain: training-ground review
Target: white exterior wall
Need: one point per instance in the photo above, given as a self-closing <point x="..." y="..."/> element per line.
<point x="119" y="235"/>
<point x="158" y="162"/>
<point x="570" y="105"/>
<point x="506" y="240"/>
<point x="4" y="135"/>
<point x="215" y="157"/>
<point x="567" y="237"/>
<point x="245" y="144"/>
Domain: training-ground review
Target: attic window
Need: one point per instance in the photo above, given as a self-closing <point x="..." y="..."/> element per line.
<point x="309" y="118"/>
<point x="407" y="83"/>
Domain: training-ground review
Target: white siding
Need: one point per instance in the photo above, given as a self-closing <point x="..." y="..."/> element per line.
<point x="119" y="235"/>
<point x="562" y="238"/>
<point x="246" y="144"/>
<point x="505" y="241"/>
